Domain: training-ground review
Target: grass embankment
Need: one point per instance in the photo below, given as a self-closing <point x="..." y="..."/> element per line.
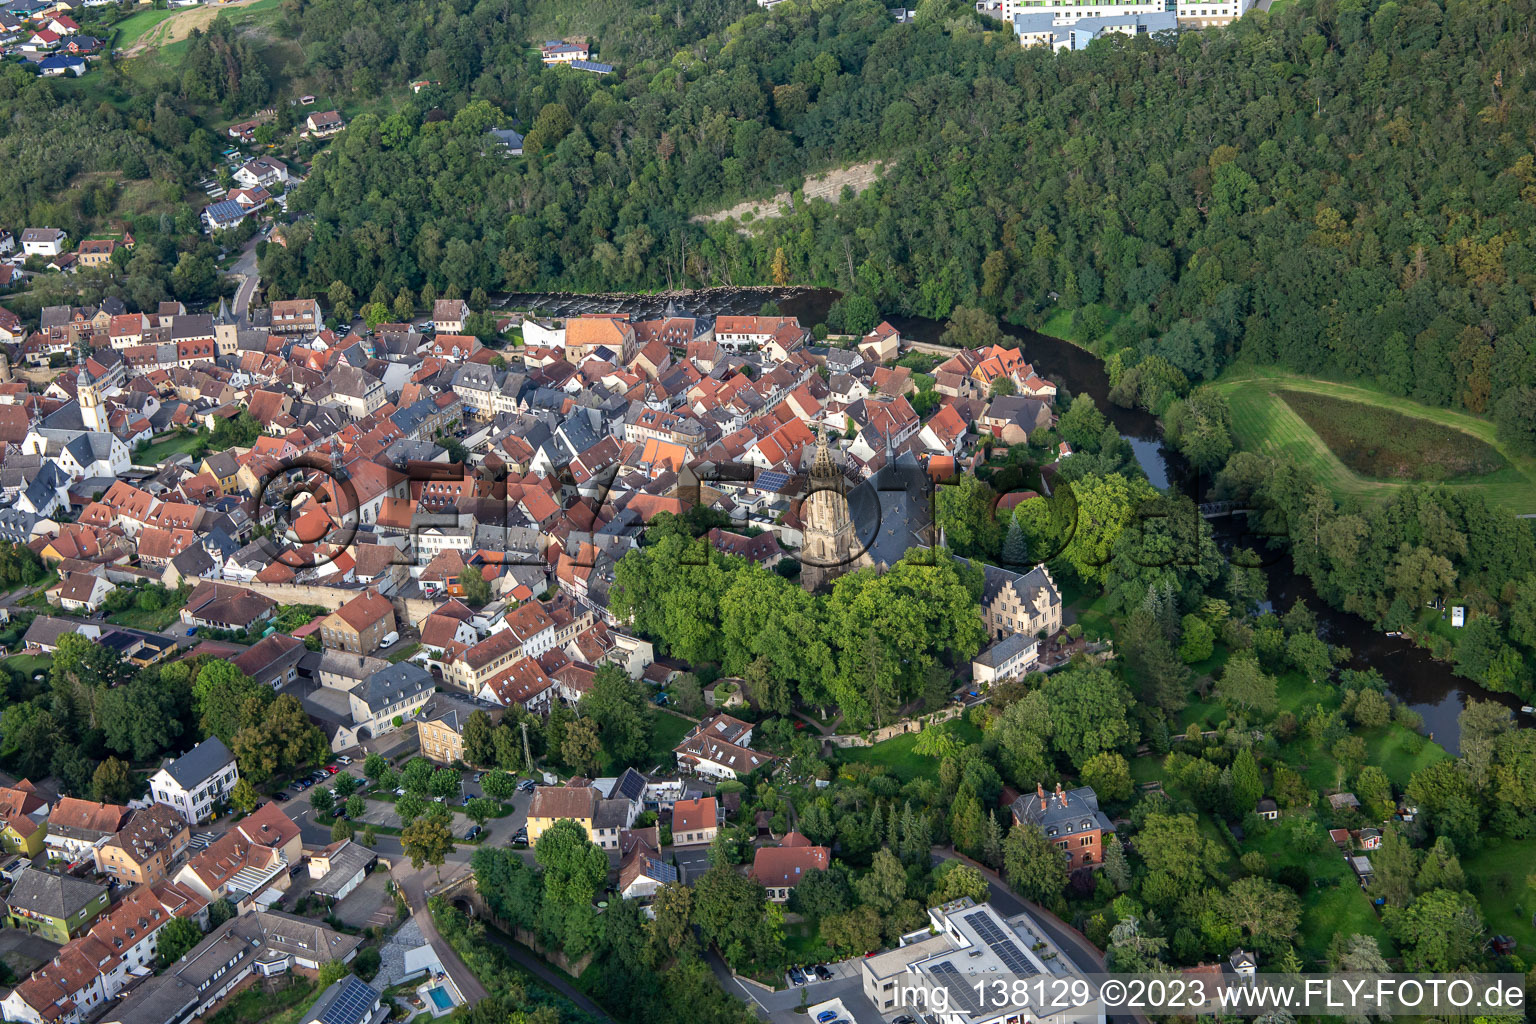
<point x="1385" y="444"/>
<point x="1374" y="429"/>
<point x="1066" y="324"/>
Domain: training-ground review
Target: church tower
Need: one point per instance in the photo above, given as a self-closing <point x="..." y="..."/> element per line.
<point x="93" y="411"/>
<point x="829" y="544"/>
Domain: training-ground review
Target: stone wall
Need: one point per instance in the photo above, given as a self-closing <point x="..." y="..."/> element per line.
<point x="901" y="728"/>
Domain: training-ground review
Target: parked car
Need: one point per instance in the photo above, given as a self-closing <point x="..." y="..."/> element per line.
<point x="331" y="769"/>
<point x="465" y="802"/>
<point x="474" y="833"/>
<point x="281" y="798"/>
<point x="526" y="786"/>
<point x="797" y="977"/>
<point x="823" y="972"/>
<point x="344" y="759"/>
<point x="521" y="839"/>
<point x="389" y="638"/>
<point x="826" y="1016"/>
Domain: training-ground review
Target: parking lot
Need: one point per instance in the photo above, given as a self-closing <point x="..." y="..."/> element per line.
<point x="787" y="1005"/>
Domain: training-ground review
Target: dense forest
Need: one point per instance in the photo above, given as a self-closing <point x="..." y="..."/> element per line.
<point x="1345" y="186"/>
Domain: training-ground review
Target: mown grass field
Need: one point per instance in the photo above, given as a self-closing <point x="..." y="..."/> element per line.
<point x="1264" y="422"/>
<point x="136" y="26"/>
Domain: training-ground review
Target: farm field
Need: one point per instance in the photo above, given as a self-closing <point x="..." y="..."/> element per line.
<point x="1265" y="421"/>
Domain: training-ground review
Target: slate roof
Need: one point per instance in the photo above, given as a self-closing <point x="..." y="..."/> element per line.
<point x="1075" y="810"/>
<point x="1008" y="647"/>
<point x="397" y="683"/>
<point x="197" y="765"/>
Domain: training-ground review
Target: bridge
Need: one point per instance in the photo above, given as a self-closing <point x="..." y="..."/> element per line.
<point x="1217" y="509"/>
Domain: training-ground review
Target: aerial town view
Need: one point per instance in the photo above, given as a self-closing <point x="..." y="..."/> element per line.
<point x="795" y="511"/>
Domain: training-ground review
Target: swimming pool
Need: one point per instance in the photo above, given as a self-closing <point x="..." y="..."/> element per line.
<point x="440" y="998"/>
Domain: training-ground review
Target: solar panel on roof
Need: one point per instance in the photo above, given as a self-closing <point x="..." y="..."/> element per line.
<point x="1002" y="944"/>
<point x="352" y="1004"/>
<point x="960" y="994"/>
<point x="772" y="481"/>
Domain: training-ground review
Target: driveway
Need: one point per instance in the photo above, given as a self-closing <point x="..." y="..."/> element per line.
<point x="245" y="269"/>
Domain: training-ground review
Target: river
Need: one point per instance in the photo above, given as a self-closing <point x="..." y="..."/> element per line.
<point x="1414" y="678"/>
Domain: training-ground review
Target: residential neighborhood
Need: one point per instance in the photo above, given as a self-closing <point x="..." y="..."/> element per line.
<point x="790" y="512"/>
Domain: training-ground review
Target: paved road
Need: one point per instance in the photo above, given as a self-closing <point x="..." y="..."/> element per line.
<point x="414" y="885"/>
<point x="245" y="269"/>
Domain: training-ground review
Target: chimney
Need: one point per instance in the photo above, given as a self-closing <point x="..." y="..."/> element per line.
<point x="1061" y="795"/>
<point x="1040" y="792"/>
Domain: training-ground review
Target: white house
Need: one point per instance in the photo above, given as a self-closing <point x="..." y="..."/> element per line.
<point x="93" y="969"/>
<point x="82" y="592"/>
<point x="43" y="241"/>
<point x="197" y="781"/>
<point x="718" y="747"/>
<point x="1009" y="658"/>
<point x="261" y="172"/>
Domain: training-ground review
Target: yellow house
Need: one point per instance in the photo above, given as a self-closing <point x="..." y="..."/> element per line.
<point x="25" y="819"/>
<point x="561" y="803"/>
<point x="224" y="467"/>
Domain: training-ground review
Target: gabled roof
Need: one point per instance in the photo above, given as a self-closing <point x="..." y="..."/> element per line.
<point x="201" y="763"/>
<point x="71" y="814"/>
<point x="785" y="866"/>
<point x="561" y="802"/>
<point x="365" y="609"/>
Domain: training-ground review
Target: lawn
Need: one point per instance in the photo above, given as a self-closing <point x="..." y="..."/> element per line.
<point x="29" y="664"/>
<point x="161" y="450"/>
<point x="137" y="618"/>
<point x="904" y="762"/>
<point x="1086" y="606"/>
<point x="1498" y="872"/>
<point x="670" y="730"/>
<point x="285" y="1006"/>
<point x="1401" y="752"/>
<point x="1338" y="905"/>
<point x="409" y="650"/>
<point x="1264" y="421"/>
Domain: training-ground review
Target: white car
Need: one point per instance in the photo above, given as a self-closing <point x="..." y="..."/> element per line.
<point x="389" y="640"/>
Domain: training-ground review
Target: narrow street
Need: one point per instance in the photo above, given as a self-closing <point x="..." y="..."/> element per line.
<point x="414" y="886"/>
<point x="245" y="269"/>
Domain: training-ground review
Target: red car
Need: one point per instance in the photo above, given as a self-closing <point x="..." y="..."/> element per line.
<point x="331" y="769"/>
